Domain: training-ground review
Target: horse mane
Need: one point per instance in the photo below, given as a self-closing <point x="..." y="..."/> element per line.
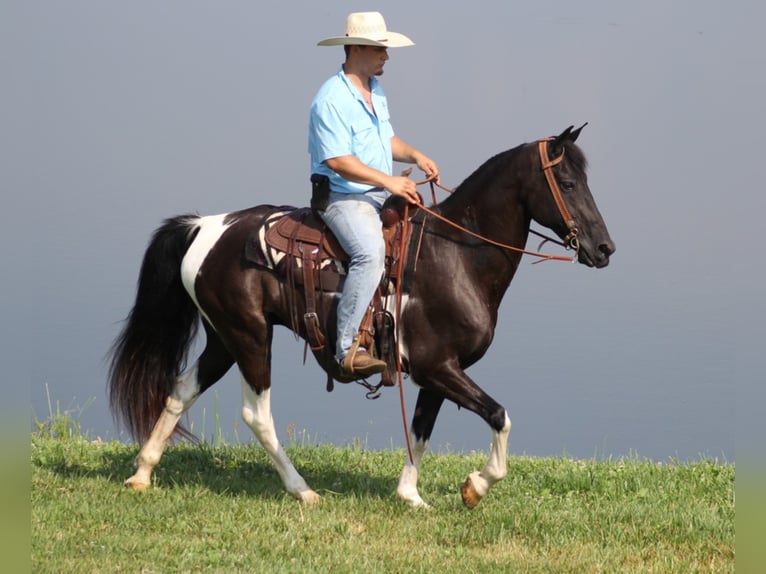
<point x="575" y="156"/>
<point x="488" y="170"/>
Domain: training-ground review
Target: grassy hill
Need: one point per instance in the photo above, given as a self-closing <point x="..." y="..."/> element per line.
<point x="222" y="509"/>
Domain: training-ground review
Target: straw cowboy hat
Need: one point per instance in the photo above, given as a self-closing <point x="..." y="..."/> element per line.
<point x="368" y="29"/>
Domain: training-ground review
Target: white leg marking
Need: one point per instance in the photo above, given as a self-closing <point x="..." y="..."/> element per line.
<point x="391" y="308"/>
<point x="478" y="483"/>
<point x="256" y="412"/>
<point x="407" y="489"/>
<point x="185" y="392"/>
<point x="211" y="229"/>
<point x="496" y="467"/>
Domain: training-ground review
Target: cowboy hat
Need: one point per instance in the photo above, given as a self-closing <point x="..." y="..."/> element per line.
<point x="368" y="29"/>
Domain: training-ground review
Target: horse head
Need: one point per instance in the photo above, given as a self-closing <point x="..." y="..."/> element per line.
<point x="563" y="201"/>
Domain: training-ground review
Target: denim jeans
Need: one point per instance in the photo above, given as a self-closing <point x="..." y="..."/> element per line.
<point x="355" y="221"/>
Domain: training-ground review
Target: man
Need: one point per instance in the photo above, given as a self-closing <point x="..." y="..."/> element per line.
<point x="352" y="143"/>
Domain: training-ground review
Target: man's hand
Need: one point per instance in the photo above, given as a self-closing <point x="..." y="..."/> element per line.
<point x="408" y="154"/>
<point x="427" y="166"/>
<point x="404" y="187"/>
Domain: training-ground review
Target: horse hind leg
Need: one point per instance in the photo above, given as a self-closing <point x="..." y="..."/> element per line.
<point x="209" y="368"/>
<point x="256" y="412"/>
<point x="185" y="392"/>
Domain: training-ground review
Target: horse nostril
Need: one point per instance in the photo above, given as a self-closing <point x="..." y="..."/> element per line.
<point x="606" y="248"/>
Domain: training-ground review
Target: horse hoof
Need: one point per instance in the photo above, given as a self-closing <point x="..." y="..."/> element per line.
<point x="414" y="501"/>
<point x="136" y="485"/>
<point x="470" y="495"/>
<point x="309" y="497"/>
<point x="421" y="504"/>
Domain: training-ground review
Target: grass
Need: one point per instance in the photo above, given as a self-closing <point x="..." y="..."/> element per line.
<point x="222" y="509"/>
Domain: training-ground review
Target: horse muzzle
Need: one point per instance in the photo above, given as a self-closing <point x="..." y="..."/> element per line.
<point x="595" y="254"/>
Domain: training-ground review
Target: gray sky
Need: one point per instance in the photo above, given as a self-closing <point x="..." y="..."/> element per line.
<point x="117" y="115"/>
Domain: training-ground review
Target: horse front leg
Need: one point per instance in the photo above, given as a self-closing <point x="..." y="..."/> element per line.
<point x="256" y="412"/>
<point x="448" y="380"/>
<point x="423" y="420"/>
<point x="185" y="392"/>
<point x="478" y="483"/>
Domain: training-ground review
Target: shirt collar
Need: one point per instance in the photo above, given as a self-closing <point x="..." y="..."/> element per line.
<point x="373" y="84"/>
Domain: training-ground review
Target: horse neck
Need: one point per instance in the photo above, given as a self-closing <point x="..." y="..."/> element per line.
<point x="489" y="203"/>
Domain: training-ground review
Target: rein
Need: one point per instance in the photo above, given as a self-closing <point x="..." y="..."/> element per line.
<point x="570" y="241"/>
<point x="398" y="309"/>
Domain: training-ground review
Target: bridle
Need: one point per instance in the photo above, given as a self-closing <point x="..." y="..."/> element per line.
<point x="548" y="165"/>
<point x="570" y="241"/>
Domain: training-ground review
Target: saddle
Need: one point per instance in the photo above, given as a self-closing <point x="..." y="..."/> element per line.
<point x="315" y="259"/>
<point x="302" y="231"/>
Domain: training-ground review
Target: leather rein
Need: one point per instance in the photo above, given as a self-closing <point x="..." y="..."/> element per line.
<point x="570" y="241"/>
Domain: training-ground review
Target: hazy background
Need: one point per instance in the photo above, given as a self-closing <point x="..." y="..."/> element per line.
<point x="117" y="115"/>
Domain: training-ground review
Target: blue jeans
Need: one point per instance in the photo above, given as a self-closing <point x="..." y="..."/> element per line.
<point x="355" y="221"/>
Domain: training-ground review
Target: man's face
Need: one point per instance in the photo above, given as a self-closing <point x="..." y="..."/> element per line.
<point x="374" y="58"/>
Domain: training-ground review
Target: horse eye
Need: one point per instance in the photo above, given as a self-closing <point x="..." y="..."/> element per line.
<point x="567" y="185"/>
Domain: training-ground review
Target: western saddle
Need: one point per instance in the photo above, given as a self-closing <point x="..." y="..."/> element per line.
<point x="315" y="260"/>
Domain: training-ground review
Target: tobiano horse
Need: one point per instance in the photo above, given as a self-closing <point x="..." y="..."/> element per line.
<point x="468" y="250"/>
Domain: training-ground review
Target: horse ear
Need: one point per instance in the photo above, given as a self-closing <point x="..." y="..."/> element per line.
<point x="574" y="134"/>
<point x="565" y="134"/>
<point x="556" y="145"/>
<point x="569" y="134"/>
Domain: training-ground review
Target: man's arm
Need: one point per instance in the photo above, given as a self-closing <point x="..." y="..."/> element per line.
<point x="405" y="153"/>
<point x="349" y="167"/>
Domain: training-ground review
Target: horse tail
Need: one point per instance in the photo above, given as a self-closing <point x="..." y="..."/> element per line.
<point x="153" y="345"/>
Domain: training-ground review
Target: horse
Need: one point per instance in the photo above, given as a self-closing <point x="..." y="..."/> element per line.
<point x="468" y="249"/>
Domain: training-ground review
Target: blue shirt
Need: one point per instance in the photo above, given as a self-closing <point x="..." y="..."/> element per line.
<point x="340" y="124"/>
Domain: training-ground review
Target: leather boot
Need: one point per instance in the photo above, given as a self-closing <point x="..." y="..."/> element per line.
<point x="361" y="364"/>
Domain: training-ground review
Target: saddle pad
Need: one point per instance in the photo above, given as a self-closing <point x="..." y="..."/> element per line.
<point x="256" y="249"/>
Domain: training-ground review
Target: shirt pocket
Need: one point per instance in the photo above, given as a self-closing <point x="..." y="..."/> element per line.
<point x="385" y="130"/>
<point x="381" y="111"/>
<point x="364" y="135"/>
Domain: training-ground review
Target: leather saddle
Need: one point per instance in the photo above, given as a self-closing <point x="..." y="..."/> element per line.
<point x="303" y="230"/>
<point x="315" y="259"/>
<point x="303" y="236"/>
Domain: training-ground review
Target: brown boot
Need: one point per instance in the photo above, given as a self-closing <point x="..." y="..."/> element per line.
<point x="361" y="364"/>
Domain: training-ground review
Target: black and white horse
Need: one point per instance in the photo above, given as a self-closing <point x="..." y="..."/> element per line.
<point x="194" y="268"/>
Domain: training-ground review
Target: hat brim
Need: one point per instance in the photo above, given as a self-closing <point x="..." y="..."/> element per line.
<point x="394" y="40"/>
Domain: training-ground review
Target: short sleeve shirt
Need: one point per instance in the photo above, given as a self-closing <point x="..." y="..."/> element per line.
<point x="341" y="124"/>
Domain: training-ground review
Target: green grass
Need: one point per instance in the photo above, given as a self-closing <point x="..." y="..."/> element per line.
<point x="223" y="509"/>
